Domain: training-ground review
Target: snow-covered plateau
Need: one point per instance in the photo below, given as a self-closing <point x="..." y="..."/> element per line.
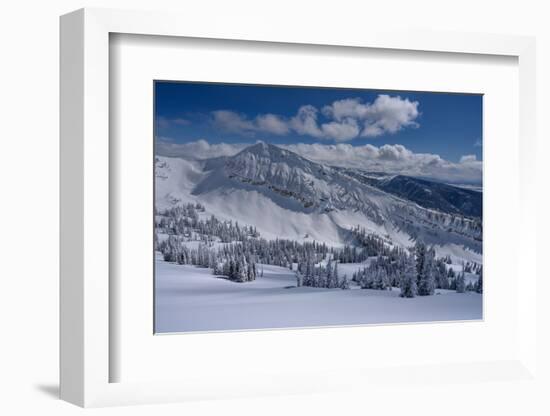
<point x="256" y="215"/>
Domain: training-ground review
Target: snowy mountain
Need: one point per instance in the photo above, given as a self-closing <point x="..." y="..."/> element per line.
<point x="308" y="186"/>
<point x="287" y="196"/>
<point x="429" y="194"/>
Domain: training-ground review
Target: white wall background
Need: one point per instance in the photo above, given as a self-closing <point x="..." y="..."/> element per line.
<point x="29" y="204"/>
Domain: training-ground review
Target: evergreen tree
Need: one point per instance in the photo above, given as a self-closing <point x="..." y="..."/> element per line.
<point x="479" y="283"/>
<point x="330" y="276"/>
<point x="344" y="283"/>
<point x="426" y="281"/>
<point x="335" y="281"/>
<point x="232" y="272"/>
<point x="367" y="279"/>
<point x="250" y="276"/>
<point x="299" y="279"/>
<point x="408" y="279"/>
<point x="217" y="270"/>
<point x="243" y="270"/>
<point x="442" y="281"/>
<point x="451" y="274"/>
<point x="380" y="279"/>
<point x="226" y="269"/>
<point x="460" y="283"/>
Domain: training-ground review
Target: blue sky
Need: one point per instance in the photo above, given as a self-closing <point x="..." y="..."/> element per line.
<point x="448" y="125"/>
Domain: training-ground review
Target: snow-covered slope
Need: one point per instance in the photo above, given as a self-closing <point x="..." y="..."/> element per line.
<point x="287" y="196"/>
<point x="175" y="179"/>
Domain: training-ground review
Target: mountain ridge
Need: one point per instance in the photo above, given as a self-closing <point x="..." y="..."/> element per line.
<point x="285" y="194"/>
<point x="428" y="194"/>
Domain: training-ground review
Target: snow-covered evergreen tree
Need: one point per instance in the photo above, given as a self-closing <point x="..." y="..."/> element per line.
<point x="479" y="283"/>
<point x="441" y="278"/>
<point x="299" y="278"/>
<point x="330" y="284"/>
<point x="460" y="283"/>
<point x="344" y="283"/>
<point x="380" y="279"/>
<point x="425" y="258"/>
<point x="242" y="274"/>
<point x="408" y="279"/>
<point x="367" y="279"/>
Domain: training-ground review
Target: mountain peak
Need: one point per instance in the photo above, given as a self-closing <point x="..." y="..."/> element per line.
<point x="264" y="149"/>
<point x="269" y="156"/>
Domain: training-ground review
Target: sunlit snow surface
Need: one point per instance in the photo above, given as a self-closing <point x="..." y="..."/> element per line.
<point x="192" y="299"/>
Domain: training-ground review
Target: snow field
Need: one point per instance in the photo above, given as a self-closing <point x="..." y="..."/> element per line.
<point x="189" y="298"/>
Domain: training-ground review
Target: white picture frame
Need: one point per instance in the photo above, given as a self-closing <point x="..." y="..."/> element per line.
<point x="86" y="290"/>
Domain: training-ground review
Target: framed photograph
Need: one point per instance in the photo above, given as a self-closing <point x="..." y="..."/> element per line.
<point x="306" y="205"/>
<point x="296" y="198"/>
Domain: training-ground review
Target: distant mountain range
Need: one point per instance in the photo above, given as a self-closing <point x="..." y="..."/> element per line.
<point x="429" y="194"/>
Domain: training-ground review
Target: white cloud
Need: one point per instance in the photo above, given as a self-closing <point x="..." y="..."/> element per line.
<point x="236" y="123"/>
<point x="233" y="122"/>
<point x="345" y="130"/>
<point x="272" y="123"/>
<point x="305" y="122"/>
<point x="394" y="159"/>
<point x="384" y="115"/>
<point x="348" y="107"/>
<point x="468" y="158"/>
<point x="344" y="119"/>
<point x="389" y="115"/>
<point x="394" y="152"/>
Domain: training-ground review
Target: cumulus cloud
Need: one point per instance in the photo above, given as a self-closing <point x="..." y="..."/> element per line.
<point x="389" y="115"/>
<point x="272" y="123"/>
<point x="468" y="159"/>
<point x="393" y="159"/>
<point x="305" y="121"/>
<point x="348" y="107"/>
<point x="232" y="122"/>
<point x="394" y="152"/>
<point x="343" y="120"/>
<point x="384" y="115"/>
<point x="340" y="131"/>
